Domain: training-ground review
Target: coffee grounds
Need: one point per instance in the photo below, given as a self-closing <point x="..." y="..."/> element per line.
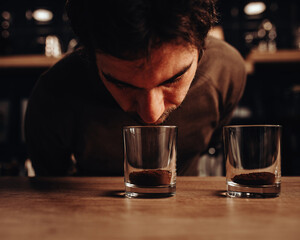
<point x="258" y="178"/>
<point x="150" y="177"/>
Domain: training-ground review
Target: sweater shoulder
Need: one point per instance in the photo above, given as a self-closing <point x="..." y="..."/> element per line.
<point x="72" y="65"/>
<point x="222" y="53"/>
<point x="223" y="69"/>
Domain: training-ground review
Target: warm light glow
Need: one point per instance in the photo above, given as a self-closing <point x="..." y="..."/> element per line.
<point x="6" y="15"/>
<point x="267" y="25"/>
<point x="217" y="32"/>
<point x="42" y="15"/>
<point x="52" y="46"/>
<point x="254" y="8"/>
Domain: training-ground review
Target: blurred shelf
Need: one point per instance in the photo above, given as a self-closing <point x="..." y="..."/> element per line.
<point x="27" y="61"/>
<point x="254" y="57"/>
<point x="279" y="56"/>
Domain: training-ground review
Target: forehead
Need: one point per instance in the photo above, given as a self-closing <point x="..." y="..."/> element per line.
<point x="159" y="56"/>
<point x="162" y="63"/>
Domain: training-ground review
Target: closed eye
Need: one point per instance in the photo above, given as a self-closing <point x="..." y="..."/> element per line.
<point x="119" y="84"/>
<point x="171" y="81"/>
<point x="177" y="77"/>
<point x="123" y="85"/>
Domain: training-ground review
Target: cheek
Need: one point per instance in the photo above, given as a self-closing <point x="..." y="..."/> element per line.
<point x="176" y="94"/>
<point x="126" y="99"/>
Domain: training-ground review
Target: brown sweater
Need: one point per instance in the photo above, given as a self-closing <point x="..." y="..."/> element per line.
<point x="71" y="112"/>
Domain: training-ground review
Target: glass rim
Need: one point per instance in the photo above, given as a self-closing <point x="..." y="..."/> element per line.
<point x="160" y="126"/>
<point x="253" y="125"/>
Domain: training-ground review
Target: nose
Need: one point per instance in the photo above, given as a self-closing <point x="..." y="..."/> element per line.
<point x="150" y="105"/>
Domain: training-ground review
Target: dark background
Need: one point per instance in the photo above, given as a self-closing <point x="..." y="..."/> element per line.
<point x="271" y="96"/>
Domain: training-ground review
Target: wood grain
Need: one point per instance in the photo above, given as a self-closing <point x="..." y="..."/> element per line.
<point x="95" y="208"/>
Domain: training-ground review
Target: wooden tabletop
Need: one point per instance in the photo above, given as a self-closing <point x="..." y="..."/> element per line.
<point x="95" y="208"/>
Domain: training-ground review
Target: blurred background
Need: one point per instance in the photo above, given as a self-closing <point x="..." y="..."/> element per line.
<point x="36" y="34"/>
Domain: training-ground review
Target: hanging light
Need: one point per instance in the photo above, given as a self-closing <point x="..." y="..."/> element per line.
<point x="254" y="8"/>
<point x="42" y="15"/>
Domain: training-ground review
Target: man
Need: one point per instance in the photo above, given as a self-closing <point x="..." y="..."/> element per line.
<point x="143" y="62"/>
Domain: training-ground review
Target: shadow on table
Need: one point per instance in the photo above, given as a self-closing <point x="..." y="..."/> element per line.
<point x="54" y="184"/>
<point x="115" y="194"/>
<point x="61" y="185"/>
<point x="220" y="193"/>
<point x="121" y="194"/>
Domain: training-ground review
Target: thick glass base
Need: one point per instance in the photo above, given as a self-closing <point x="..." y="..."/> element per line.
<point x="257" y="191"/>
<point x="161" y="191"/>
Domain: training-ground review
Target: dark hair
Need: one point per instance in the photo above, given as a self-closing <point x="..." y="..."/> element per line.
<point x="129" y="29"/>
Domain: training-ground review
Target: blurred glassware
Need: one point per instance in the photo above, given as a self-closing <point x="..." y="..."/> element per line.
<point x="297" y="38"/>
<point x="267" y="36"/>
<point x="52" y="46"/>
<point x="72" y="45"/>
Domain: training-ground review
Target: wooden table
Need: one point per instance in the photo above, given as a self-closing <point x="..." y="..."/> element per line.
<point x="95" y="208"/>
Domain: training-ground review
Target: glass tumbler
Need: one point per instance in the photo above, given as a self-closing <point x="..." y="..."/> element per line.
<point x="150" y="154"/>
<point x="253" y="160"/>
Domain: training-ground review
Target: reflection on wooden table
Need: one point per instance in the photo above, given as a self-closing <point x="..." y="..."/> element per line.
<point x="95" y="208"/>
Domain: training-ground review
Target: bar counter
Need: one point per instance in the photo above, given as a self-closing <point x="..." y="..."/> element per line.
<point x="95" y="208"/>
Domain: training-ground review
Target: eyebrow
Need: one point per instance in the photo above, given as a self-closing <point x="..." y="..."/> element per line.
<point x="116" y="81"/>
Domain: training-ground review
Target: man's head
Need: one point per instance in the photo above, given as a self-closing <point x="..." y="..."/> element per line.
<point x="146" y="50"/>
